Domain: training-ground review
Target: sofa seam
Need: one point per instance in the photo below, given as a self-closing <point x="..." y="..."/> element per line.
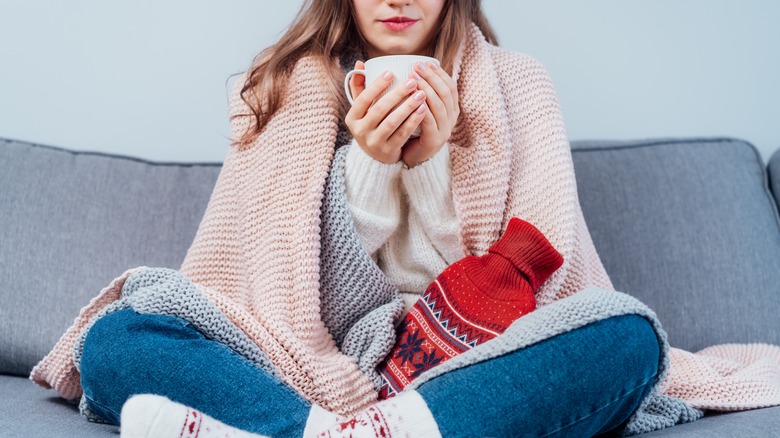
<point x="9" y="141"/>
<point x="635" y="144"/>
<point x="771" y="176"/>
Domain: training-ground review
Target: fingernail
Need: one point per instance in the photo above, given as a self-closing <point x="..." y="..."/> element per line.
<point x="420" y="95"/>
<point x="416" y="76"/>
<point x="387" y="76"/>
<point x="410" y="83"/>
<point x="421" y="66"/>
<point x="434" y="66"/>
<point x="420" y="109"/>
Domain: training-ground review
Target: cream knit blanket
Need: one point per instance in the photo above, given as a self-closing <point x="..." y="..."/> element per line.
<point x="256" y="255"/>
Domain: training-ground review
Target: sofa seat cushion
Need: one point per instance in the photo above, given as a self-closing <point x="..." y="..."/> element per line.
<point x="763" y="423"/>
<point x="690" y="228"/>
<point x="27" y="410"/>
<point x="73" y="221"/>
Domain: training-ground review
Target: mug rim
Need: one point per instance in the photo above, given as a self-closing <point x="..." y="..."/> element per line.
<point x="402" y="56"/>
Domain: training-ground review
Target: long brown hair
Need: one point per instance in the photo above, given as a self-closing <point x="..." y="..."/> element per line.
<point x="326" y="30"/>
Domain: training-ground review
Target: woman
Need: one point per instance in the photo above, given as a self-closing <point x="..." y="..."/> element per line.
<point x="270" y="252"/>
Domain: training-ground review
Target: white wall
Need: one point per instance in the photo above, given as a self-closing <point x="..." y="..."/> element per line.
<point x="147" y="78"/>
<point x="632" y="69"/>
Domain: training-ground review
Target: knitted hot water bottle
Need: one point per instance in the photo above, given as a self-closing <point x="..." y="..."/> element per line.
<point x="470" y="302"/>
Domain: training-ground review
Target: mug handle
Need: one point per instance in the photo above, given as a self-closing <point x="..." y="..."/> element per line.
<point x="346" y="84"/>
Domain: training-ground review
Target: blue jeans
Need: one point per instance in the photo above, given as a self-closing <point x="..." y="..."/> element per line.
<point x="581" y="383"/>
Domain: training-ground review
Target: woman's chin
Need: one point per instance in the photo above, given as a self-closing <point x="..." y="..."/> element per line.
<point x="398" y="48"/>
<point x="399" y="51"/>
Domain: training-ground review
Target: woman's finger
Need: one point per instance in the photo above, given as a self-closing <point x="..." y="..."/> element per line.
<point x="451" y="84"/>
<point x="390" y="124"/>
<point x="428" y="125"/>
<point x="435" y="103"/>
<point x="405" y="130"/>
<point x="420" y="149"/>
<point x="385" y="105"/>
<point x="357" y="83"/>
<point x="369" y="94"/>
<point x="437" y="83"/>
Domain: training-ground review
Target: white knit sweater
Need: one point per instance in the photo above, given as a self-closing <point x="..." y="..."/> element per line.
<point x="405" y="217"/>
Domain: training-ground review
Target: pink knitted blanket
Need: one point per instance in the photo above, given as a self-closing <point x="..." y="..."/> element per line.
<point x="256" y="253"/>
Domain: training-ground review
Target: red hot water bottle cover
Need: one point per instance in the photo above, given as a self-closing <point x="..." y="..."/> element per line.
<point x="474" y="300"/>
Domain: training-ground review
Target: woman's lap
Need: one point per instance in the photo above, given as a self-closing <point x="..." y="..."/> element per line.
<point x="579" y="383"/>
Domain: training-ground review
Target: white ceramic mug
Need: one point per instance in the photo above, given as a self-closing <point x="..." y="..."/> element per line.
<point x="400" y="65"/>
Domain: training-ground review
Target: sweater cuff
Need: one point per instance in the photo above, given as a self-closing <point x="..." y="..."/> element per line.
<point x="369" y="182"/>
<point x="428" y="185"/>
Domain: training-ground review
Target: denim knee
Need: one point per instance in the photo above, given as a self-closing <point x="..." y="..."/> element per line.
<point x="634" y="353"/>
<point x="640" y="354"/>
<point x="115" y="351"/>
<point x="127" y="353"/>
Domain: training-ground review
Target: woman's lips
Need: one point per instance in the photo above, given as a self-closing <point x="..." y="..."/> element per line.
<point x="399" y="23"/>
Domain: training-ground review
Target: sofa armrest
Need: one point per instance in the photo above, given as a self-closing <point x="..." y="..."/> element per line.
<point x="774" y="176"/>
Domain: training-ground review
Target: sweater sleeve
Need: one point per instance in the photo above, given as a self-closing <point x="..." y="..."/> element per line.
<point x="373" y="194"/>
<point x="429" y="188"/>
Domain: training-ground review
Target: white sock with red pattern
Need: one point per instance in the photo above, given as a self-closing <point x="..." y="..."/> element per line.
<point x="154" y="416"/>
<point x="405" y="415"/>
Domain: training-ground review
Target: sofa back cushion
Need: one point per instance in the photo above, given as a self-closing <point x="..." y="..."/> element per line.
<point x="774" y="175"/>
<point x="690" y="228"/>
<point x="70" y="222"/>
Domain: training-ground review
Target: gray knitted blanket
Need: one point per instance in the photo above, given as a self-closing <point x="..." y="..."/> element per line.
<point x="360" y="308"/>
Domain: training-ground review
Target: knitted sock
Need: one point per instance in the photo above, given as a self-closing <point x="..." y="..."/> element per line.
<point x="470" y="302"/>
<point x="404" y="416"/>
<point x="154" y="416"/>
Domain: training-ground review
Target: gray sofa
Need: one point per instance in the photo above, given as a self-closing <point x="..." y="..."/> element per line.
<point x="689" y="226"/>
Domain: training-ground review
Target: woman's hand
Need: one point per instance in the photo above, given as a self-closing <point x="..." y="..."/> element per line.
<point x="440" y="116"/>
<point x="378" y="129"/>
